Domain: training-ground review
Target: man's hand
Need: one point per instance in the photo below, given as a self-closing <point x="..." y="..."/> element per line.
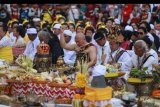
<point x="77" y="49"/>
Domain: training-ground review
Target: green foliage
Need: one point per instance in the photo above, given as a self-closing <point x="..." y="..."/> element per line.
<point x="139" y="73"/>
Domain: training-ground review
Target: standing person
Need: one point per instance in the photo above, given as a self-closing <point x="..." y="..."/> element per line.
<point x="146" y="14"/>
<point x="81" y="47"/>
<point x="19" y="45"/>
<point x="89" y="34"/>
<point x="5" y="45"/>
<point x="54" y="44"/>
<point x="46" y="14"/>
<point x="72" y="29"/>
<point x="31" y="48"/>
<point x="69" y="56"/>
<point x="118" y="54"/>
<point x="127" y="9"/>
<point x="57" y="30"/>
<point x="73" y="13"/>
<point x="24" y="10"/>
<point x="14" y="11"/>
<point x="103" y="48"/>
<point x="4" y="15"/>
<point x="134" y="15"/>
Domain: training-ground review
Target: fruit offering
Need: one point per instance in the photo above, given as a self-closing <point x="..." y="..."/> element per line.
<point x="81" y="80"/>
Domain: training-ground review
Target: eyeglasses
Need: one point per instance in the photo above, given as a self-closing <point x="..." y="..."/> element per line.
<point x="141" y="33"/>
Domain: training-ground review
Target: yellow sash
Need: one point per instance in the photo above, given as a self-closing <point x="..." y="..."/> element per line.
<point x="98" y="94"/>
<point x="26" y="39"/>
<point x="8" y="34"/>
<point x="6" y="53"/>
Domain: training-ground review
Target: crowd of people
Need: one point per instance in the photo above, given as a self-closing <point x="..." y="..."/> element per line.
<point x="127" y="34"/>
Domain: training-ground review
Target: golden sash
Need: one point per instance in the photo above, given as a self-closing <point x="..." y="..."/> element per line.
<point x="6" y="53"/>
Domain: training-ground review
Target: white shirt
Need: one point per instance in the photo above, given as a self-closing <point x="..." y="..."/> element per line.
<point x="154" y="53"/>
<point x="122" y="59"/>
<point x="150" y="37"/>
<point x="106" y="51"/>
<point x="158" y="33"/>
<point x="69" y="56"/>
<point x="5" y="41"/>
<point x="13" y="38"/>
<point x="20" y="42"/>
<point x="73" y="36"/>
<point x="133" y="62"/>
<point x="31" y="48"/>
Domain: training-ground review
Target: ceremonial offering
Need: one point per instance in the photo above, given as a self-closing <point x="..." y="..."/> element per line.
<point x="137" y="80"/>
<point x="43" y="59"/>
<point x="114" y="74"/>
<point x="113" y="71"/>
<point x="140" y="76"/>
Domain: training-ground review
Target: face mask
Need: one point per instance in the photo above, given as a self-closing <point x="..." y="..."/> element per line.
<point x="3" y="14"/>
<point x="88" y="38"/>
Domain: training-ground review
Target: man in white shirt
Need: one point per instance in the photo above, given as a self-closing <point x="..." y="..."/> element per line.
<point x="142" y="58"/>
<point x="150" y="50"/>
<point x="57" y="30"/>
<point x="69" y="56"/>
<point x="31" y="48"/>
<point x="103" y="48"/>
<point x="118" y="54"/>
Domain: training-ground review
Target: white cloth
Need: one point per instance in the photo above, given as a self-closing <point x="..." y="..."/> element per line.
<point x="107" y="51"/>
<point x="158" y="33"/>
<point x="73" y="36"/>
<point x="130" y="28"/>
<point x="123" y="58"/>
<point x="69" y="56"/>
<point x="133" y="62"/>
<point x="73" y="13"/>
<point x="13" y="38"/>
<point x="31" y="48"/>
<point x="154" y="53"/>
<point x="31" y="31"/>
<point x="99" y="70"/>
<point x="5" y="41"/>
<point x="57" y="26"/>
<point x="20" y="42"/>
<point x="150" y="37"/>
<point x="67" y="32"/>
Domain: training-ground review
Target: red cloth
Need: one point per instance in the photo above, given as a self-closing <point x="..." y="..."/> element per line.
<point x="135" y="20"/>
<point x="126" y="12"/>
<point x="18" y="51"/>
<point x="125" y="45"/>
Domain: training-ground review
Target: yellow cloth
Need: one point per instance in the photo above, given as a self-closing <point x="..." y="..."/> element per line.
<point x="8" y="34"/>
<point x="26" y="39"/>
<point x="109" y="105"/>
<point x="6" y="53"/>
<point x="98" y="94"/>
<point x="47" y="17"/>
